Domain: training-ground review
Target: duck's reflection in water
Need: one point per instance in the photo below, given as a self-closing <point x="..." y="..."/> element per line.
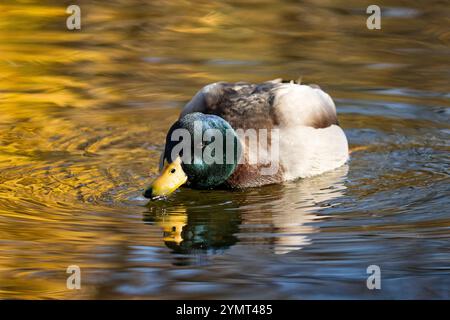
<point x="280" y="217"/>
<point x="286" y="220"/>
<point x="195" y="226"/>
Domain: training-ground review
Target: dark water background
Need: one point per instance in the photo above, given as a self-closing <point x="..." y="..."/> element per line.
<point x="83" y="116"/>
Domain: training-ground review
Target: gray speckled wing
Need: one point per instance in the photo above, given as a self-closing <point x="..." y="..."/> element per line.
<point x="273" y="103"/>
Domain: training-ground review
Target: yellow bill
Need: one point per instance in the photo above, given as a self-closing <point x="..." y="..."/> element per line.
<point x="171" y="178"/>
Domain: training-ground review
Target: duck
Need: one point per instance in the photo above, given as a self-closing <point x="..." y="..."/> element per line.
<point x="243" y="135"/>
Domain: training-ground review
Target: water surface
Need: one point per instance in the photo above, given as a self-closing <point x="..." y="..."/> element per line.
<point x="83" y="117"/>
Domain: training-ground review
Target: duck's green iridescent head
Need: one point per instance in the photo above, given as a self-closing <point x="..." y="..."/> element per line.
<point x="202" y="150"/>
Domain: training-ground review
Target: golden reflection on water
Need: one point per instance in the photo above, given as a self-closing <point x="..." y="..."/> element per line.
<point x="83" y="117"/>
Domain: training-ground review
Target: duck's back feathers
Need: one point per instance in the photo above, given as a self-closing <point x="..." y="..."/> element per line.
<point x="272" y="103"/>
<point x="303" y="105"/>
<point x="242" y="104"/>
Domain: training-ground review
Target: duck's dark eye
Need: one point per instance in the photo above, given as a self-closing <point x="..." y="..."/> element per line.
<point x="172" y="171"/>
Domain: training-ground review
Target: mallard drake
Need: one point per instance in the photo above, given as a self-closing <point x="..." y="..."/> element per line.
<point x="299" y="121"/>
